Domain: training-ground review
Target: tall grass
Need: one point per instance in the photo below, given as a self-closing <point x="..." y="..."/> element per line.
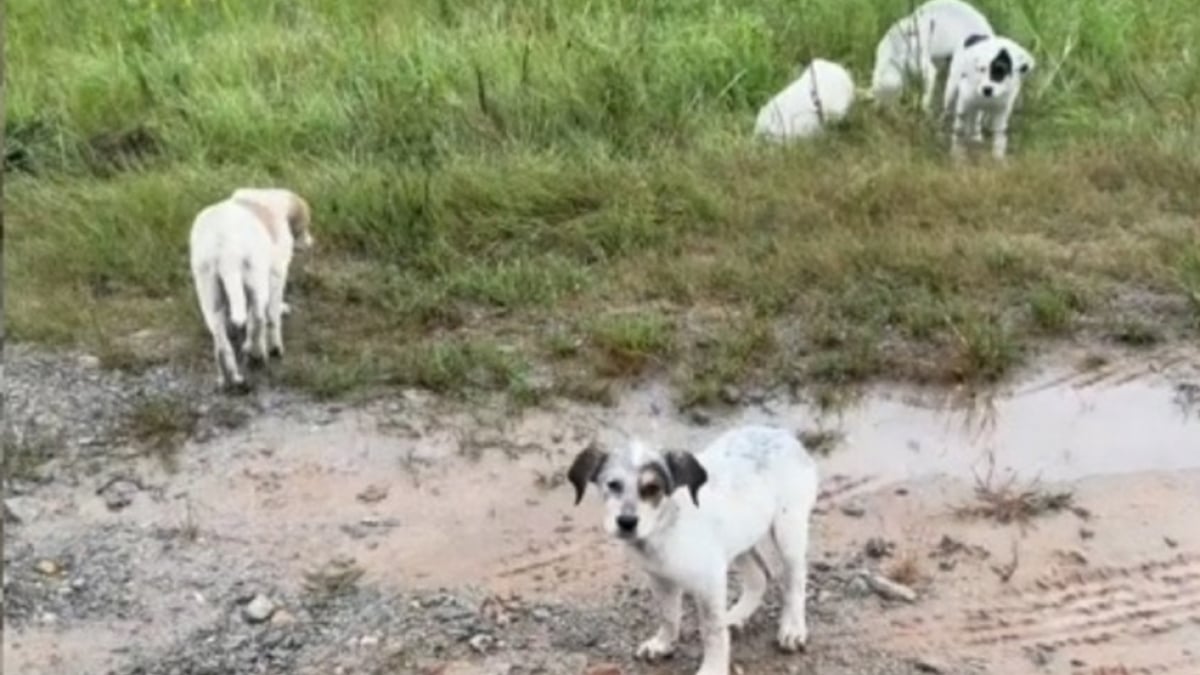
<point x="488" y="173"/>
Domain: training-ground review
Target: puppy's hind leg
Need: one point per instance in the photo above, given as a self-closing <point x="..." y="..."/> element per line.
<point x="669" y="597"/>
<point x="791" y="535"/>
<point x="212" y="306"/>
<point x="754" y="586"/>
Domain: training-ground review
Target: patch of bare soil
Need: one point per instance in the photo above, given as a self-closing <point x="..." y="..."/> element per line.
<point x="412" y="535"/>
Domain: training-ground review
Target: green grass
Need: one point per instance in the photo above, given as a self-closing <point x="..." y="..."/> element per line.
<point x="505" y="188"/>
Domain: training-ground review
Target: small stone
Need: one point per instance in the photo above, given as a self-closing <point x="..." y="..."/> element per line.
<point x="116" y="500"/>
<point x="1171" y="543"/>
<point x="259" y="609"/>
<point x="858" y="587"/>
<point x="605" y="669"/>
<point x="48" y="567"/>
<point x="730" y="394"/>
<point x="283" y="618"/>
<point x="373" y="493"/>
<point x="700" y="418"/>
<point x="481" y="642"/>
<point x="926" y="665"/>
<point x="878" y="548"/>
<point x="369" y="641"/>
<point x="89" y="362"/>
<point x="1085" y="533"/>
<point x="20" y="510"/>
<point x="853" y="510"/>
<point x="890" y="590"/>
<point x="78" y="584"/>
<point x="540" y="614"/>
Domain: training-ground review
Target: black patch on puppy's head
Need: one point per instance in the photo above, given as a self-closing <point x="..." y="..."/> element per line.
<point x="974" y="39"/>
<point x="1001" y="67"/>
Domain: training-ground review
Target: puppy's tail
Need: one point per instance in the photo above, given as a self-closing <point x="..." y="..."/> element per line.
<point x="230" y="274"/>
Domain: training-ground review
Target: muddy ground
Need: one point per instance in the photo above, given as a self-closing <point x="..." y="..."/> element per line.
<point x="416" y="535"/>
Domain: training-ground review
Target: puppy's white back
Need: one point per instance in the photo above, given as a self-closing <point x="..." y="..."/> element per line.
<point x="793" y="112"/>
<point x="227" y="230"/>
<point x="952" y="21"/>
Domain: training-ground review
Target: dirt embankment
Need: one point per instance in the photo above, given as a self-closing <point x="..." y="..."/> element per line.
<point x="416" y="535"/>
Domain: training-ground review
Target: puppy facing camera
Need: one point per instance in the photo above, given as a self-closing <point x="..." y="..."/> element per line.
<point x="985" y="81"/>
<point x="686" y="519"/>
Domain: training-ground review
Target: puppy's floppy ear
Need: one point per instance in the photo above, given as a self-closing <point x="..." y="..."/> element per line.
<point x="686" y="470"/>
<point x="586" y="468"/>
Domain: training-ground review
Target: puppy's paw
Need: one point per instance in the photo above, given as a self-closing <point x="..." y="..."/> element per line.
<point x="793" y="637"/>
<point x="255" y="361"/>
<point x="276" y="353"/>
<point x="285" y="308"/>
<point x="239" y="388"/>
<point x="655" y="648"/>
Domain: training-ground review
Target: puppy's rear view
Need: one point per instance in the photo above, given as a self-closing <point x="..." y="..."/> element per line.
<point x="230" y="254"/>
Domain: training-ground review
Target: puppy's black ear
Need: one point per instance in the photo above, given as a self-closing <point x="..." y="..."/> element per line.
<point x="586" y="468"/>
<point x="686" y="470"/>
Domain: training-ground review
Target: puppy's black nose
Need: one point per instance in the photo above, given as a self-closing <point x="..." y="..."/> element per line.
<point x="627" y="523"/>
<point x="987" y="91"/>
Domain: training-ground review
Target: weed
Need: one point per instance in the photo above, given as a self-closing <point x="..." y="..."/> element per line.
<point x="160" y="425"/>
<point x="820" y="441"/>
<point x="26" y="450"/>
<point x="1136" y="333"/>
<point x="628" y="343"/>
<point x="905" y="569"/>
<point x="1007" y="502"/>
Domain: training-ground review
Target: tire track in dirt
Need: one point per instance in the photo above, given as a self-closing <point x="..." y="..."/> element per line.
<point x="1140" y="604"/>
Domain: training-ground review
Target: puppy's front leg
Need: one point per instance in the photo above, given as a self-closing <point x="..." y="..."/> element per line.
<point x="999" y="125"/>
<point x="669" y="597"/>
<point x="713" y="626"/>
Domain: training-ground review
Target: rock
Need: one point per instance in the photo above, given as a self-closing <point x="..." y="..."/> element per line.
<point x="1085" y="533"/>
<point x="481" y="642"/>
<point x="373" y="493"/>
<point x="927" y="665"/>
<point x="89" y="362"/>
<point x="858" y="587"/>
<point x="47" y="567"/>
<point x="1171" y="543"/>
<point x="369" y="641"/>
<point x="283" y="618"/>
<point x="20" y="510"/>
<point x="699" y="417"/>
<point x="853" y="511"/>
<point x="730" y="394"/>
<point x="115" y="500"/>
<point x="890" y="590"/>
<point x="259" y="609"/>
<point x="878" y="548"/>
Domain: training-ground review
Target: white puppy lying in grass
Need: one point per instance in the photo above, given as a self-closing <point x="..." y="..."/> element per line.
<point x="913" y="45"/>
<point x="821" y="96"/>
<point x="985" y="78"/>
<point x="240" y="250"/>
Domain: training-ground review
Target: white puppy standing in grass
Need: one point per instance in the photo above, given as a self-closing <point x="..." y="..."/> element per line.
<point x="240" y="251"/>
<point x="752" y="486"/>
<point x="821" y="96"/>
<point x="985" y="79"/>
<point x="916" y="43"/>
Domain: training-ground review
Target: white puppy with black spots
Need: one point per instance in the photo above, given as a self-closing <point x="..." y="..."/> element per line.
<point x="751" y="486"/>
<point x="915" y="44"/>
<point x="985" y="79"/>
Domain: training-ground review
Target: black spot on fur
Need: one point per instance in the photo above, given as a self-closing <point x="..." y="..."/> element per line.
<point x="585" y="469"/>
<point x="1001" y="67"/>
<point x="685" y="469"/>
<point x="974" y="39"/>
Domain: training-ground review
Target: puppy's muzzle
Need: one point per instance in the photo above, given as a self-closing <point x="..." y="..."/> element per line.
<point x="988" y="91"/>
<point x="626" y="525"/>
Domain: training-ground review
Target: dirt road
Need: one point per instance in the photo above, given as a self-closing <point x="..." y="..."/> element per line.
<point x="416" y="535"/>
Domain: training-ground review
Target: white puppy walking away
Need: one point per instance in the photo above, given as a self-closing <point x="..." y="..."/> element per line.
<point x="752" y="486"/>
<point x="240" y="250"/>
<point x="915" y="44"/>
<point x="985" y="79"/>
<point x="821" y="96"/>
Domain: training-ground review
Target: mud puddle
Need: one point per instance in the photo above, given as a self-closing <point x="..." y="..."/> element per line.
<point x="424" y="495"/>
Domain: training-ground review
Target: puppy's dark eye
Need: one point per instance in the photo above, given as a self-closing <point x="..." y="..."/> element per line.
<point x="650" y="491"/>
<point x="614" y="486"/>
